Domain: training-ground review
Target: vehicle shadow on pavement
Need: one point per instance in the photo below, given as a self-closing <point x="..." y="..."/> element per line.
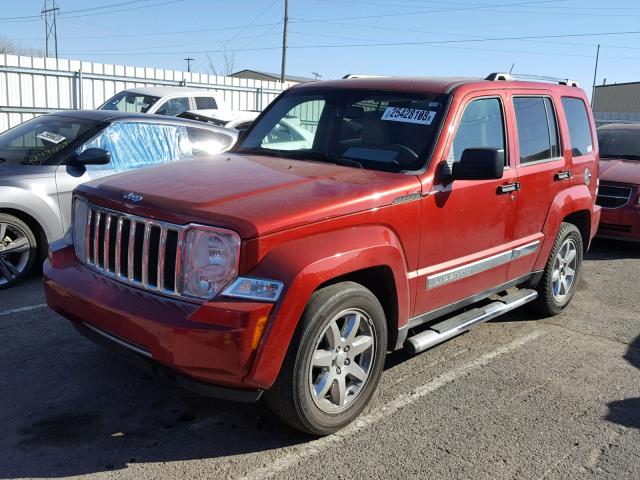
<point x="627" y="412"/>
<point x="604" y="249"/>
<point x="84" y="410"/>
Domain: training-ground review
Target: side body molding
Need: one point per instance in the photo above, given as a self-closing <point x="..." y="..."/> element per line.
<point x="306" y="263"/>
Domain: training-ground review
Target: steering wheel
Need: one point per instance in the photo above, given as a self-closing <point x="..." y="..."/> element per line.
<point x="404" y="150"/>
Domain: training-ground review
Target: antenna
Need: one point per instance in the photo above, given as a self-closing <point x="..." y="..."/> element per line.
<point x="48" y="14"/>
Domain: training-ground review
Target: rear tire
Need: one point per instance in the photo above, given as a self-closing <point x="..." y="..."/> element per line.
<point x="561" y="273"/>
<point x="334" y="361"/>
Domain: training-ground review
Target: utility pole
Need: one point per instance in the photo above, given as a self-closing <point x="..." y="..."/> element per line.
<point x="48" y="14"/>
<point x="188" y="60"/>
<point x="284" y="41"/>
<point x="595" y="75"/>
<point x="316" y="75"/>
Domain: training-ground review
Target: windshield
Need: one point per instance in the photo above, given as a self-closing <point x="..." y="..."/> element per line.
<point x="390" y="131"/>
<point x="619" y="143"/>
<point x="37" y="141"/>
<point x="130" y="102"/>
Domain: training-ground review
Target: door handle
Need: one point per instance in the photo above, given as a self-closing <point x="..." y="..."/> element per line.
<point x="566" y="175"/>
<point x="508" y="188"/>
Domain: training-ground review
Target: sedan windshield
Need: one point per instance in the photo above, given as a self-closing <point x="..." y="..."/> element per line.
<point x="130" y="102"/>
<point x="379" y="130"/>
<point x="37" y="141"/>
<point x="619" y="143"/>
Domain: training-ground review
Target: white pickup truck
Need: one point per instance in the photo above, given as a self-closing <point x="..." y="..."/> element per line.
<point x="171" y="101"/>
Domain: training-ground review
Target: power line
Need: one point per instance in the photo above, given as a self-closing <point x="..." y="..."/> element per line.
<point x="69" y="14"/>
<point x="395" y="44"/>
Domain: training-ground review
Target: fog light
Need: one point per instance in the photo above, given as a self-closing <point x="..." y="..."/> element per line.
<point x="254" y="289"/>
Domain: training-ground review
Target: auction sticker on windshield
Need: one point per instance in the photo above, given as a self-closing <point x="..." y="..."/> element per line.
<point x="409" y="115"/>
<point x="51" y="137"/>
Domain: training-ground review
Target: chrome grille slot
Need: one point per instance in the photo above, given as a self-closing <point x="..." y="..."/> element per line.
<point x="134" y="250"/>
<point x="612" y="196"/>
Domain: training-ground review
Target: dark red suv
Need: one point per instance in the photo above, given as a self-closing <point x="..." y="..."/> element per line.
<point x="293" y="264"/>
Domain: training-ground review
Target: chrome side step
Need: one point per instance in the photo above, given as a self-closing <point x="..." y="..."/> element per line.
<point x="454" y="326"/>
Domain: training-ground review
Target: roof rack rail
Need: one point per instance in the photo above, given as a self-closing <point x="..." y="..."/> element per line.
<point x="498" y="76"/>
<point x="358" y="75"/>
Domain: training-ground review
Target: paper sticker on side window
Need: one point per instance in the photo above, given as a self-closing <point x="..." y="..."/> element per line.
<point x="51" y="137"/>
<point x="409" y="115"/>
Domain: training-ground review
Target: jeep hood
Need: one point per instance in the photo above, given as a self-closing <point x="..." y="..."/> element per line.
<point x="254" y="195"/>
<point x="620" y="171"/>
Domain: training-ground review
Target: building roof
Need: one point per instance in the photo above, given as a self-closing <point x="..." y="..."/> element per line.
<point x="624" y="84"/>
<point x="275" y="76"/>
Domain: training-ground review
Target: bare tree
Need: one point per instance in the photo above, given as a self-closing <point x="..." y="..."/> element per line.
<point x="10" y="47"/>
<point x="228" y="63"/>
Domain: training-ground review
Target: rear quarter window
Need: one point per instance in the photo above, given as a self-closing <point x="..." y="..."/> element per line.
<point x="206" y="103"/>
<point x="579" y="127"/>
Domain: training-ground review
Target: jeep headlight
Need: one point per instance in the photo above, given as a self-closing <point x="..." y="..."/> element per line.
<point x="79" y="233"/>
<point x="209" y="261"/>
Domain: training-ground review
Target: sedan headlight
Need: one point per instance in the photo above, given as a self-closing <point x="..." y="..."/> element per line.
<point x="209" y="261"/>
<point x="79" y="233"/>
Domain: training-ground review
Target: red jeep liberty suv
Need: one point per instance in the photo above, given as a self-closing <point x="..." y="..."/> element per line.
<point x="410" y="211"/>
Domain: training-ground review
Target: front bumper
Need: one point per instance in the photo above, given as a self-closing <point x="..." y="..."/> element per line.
<point x="196" y="345"/>
<point x="620" y="223"/>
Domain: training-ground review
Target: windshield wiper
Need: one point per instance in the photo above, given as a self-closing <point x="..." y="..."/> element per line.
<point x="304" y="155"/>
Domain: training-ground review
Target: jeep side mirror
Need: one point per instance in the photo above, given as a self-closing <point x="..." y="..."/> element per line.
<point x="92" y="156"/>
<point x="479" y="164"/>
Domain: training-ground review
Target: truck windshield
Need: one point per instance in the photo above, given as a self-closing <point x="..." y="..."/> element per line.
<point x="37" y="141"/>
<point x="619" y="143"/>
<point x="129" y="102"/>
<point x="378" y="130"/>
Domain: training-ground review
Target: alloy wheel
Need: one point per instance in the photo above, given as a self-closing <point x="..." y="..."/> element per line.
<point x="15" y="250"/>
<point x="342" y="360"/>
<point x="564" y="270"/>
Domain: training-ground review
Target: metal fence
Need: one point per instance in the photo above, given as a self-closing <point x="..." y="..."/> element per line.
<point x="31" y="86"/>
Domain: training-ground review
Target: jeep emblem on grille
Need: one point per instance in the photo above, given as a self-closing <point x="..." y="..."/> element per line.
<point x="132" y="197"/>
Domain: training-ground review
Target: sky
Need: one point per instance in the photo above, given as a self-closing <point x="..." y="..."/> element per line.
<point x="334" y="37"/>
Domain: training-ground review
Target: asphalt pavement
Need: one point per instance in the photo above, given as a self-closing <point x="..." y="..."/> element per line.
<point x="519" y="397"/>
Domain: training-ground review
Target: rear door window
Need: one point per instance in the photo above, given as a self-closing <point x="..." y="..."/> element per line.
<point x="537" y="130"/>
<point x="579" y="126"/>
<point x="206" y="103"/>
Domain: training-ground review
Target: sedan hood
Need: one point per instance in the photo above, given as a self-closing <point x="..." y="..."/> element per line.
<point x="253" y="195"/>
<point x="620" y="171"/>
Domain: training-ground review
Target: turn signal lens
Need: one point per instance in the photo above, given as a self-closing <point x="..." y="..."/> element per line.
<point x="254" y="289"/>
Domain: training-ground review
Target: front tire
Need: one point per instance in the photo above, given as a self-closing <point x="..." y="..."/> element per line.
<point x="18" y="250"/>
<point x="334" y="362"/>
<point x="561" y="273"/>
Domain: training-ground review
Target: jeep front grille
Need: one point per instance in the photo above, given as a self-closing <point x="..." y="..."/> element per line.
<point x="612" y="196"/>
<point x="134" y="250"/>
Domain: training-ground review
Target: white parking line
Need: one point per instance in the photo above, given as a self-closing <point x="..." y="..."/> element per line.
<point x="315" y="447"/>
<point x="22" y="309"/>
